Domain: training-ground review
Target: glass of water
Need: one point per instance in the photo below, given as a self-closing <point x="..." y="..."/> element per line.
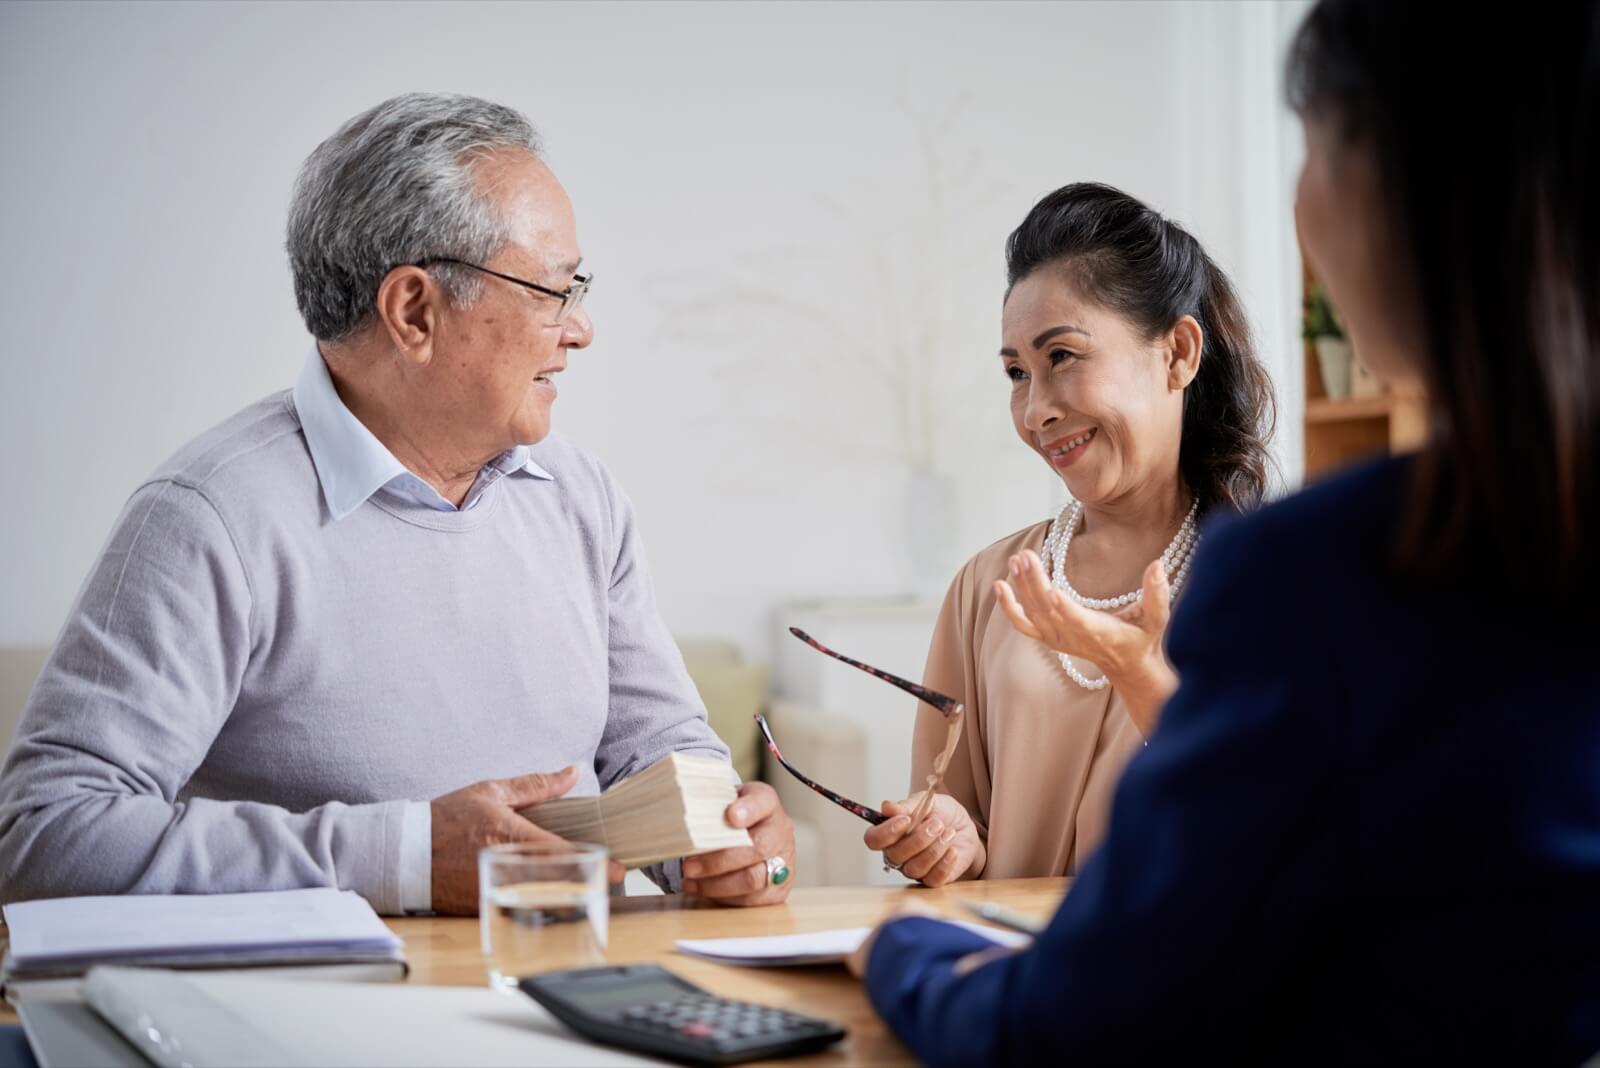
<point x="541" y="906"/>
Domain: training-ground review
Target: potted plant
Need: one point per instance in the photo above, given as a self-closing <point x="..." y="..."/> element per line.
<point x="1320" y="327"/>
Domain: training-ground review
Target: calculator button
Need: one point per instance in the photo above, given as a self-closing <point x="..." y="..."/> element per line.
<point x="699" y="1029"/>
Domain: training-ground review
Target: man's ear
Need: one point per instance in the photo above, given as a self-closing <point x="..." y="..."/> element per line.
<point x="1184" y="345"/>
<point x="409" y="300"/>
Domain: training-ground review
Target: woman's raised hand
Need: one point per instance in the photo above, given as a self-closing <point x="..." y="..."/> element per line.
<point x="1125" y="644"/>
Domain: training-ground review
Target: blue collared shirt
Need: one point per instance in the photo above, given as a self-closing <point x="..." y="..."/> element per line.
<point x="352" y="465"/>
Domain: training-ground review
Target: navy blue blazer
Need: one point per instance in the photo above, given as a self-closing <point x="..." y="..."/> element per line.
<point x="1366" y="831"/>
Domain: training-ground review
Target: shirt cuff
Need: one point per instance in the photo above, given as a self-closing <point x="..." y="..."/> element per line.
<point x="416" y="858"/>
<point x="672" y="876"/>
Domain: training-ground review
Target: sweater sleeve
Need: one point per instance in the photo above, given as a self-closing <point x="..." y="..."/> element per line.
<point x="140" y="683"/>
<point x="1224" y="849"/>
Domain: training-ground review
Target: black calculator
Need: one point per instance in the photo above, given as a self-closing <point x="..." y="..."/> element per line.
<point x="646" y="1008"/>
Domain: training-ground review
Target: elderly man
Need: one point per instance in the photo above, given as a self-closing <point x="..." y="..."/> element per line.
<point x="379" y="587"/>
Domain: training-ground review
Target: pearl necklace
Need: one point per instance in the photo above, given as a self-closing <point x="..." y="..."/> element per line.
<point x="1174" y="561"/>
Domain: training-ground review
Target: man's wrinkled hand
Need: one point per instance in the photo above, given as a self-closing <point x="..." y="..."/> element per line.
<point x="485" y="814"/>
<point x="740" y="876"/>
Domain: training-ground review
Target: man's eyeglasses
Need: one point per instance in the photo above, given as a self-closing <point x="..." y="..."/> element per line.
<point x="569" y="297"/>
<point x="949" y="707"/>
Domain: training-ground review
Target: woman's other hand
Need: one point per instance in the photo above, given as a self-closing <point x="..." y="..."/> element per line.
<point x="1125" y="644"/>
<point x="940" y="849"/>
<point x="857" y="961"/>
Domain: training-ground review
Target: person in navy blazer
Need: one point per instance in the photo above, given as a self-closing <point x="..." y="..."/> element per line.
<point x="1367" y="829"/>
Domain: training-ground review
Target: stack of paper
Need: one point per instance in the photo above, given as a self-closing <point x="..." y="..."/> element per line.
<point x="332" y="933"/>
<point x="674" y="808"/>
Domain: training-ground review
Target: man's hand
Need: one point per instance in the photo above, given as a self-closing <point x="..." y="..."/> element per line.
<point x="739" y="876"/>
<point x="485" y="814"/>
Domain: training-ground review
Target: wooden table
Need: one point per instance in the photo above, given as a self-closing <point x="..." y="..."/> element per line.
<point x="446" y="951"/>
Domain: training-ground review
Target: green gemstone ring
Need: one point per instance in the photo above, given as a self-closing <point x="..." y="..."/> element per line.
<point x="777" y="871"/>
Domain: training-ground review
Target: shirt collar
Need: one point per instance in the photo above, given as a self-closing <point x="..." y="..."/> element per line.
<point x="352" y="464"/>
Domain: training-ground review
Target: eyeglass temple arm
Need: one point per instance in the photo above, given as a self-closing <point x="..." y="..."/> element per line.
<point x="948" y="705"/>
<point x="855" y="808"/>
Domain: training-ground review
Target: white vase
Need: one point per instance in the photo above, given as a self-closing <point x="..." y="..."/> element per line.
<point x="1333" y="359"/>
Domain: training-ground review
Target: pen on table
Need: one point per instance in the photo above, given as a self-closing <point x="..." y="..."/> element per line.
<point x="1004" y="917"/>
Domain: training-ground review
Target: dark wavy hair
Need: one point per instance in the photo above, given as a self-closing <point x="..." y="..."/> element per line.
<point x="1152" y="272"/>
<point x="1490" y="182"/>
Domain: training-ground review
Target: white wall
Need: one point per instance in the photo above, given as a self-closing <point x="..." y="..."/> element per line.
<point x="794" y="213"/>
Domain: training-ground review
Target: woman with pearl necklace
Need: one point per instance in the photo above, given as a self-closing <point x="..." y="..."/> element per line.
<point x="1130" y="373"/>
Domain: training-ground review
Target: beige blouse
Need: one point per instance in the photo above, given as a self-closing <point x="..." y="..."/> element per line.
<point x="1039" y="755"/>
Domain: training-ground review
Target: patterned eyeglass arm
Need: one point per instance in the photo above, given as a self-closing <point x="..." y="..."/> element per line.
<point x="948" y="705"/>
<point x="854" y="807"/>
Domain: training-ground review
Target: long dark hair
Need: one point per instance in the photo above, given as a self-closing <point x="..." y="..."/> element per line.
<point x="1485" y="130"/>
<point x="1152" y="272"/>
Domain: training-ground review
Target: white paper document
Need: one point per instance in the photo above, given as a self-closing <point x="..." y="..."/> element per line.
<point x="815" y="947"/>
<point x="105" y="929"/>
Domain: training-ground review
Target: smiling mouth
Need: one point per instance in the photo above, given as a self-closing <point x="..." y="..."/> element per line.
<point x="1063" y="447"/>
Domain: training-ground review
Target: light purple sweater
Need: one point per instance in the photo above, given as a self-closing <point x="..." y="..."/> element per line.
<point x="247" y="692"/>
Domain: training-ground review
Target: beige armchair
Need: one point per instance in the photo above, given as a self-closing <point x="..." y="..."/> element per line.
<point x="733" y="690"/>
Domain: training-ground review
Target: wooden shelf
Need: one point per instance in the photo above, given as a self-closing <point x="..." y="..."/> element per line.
<point x="1341" y="432"/>
<point x="1323" y="410"/>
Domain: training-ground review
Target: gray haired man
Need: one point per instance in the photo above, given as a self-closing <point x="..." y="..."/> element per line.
<point x="387" y="585"/>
